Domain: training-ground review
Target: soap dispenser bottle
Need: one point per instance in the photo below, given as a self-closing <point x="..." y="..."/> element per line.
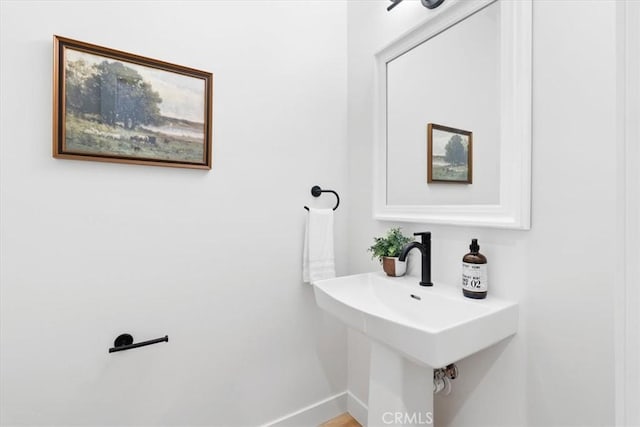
<point x="474" y="273"/>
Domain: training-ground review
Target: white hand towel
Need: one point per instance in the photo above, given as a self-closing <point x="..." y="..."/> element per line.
<point x="318" y="259"/>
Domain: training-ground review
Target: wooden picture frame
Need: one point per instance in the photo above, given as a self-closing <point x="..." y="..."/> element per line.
<point x="114" y="106"/>
<point x="449" y="154"/>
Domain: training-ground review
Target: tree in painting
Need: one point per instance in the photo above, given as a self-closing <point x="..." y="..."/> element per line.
<point x="113" y="92"/>
<point x="455" y="153"/>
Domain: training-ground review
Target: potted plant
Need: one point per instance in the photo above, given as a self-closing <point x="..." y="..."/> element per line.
<point x="387" y="250"/>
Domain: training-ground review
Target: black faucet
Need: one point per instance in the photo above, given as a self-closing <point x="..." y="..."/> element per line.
<point x="425" y="250"/>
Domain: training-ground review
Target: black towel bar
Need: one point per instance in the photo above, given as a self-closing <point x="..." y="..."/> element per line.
<point x="316" y="191"/>
<point x="125" y="342"/>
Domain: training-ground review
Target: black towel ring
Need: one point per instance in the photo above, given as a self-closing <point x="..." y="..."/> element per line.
<point x="316" y="191"/>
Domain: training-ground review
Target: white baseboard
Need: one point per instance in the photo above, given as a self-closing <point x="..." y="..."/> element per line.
<point x="357" y="409"/>
<point x="314" y="414"/>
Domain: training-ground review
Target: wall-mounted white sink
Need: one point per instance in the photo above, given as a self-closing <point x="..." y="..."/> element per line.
<point x="431" y="325"/>
<point x="413" y="330"/>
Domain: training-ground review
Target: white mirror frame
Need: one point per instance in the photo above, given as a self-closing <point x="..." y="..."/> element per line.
<point x="514" y="208"/>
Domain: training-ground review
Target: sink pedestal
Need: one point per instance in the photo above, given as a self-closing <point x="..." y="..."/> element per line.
<point x="400" y="391"/>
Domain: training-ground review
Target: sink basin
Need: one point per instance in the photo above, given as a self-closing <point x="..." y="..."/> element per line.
<point x="432" y="326"/>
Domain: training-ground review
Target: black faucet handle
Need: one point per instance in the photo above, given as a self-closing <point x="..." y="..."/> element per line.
<point x="426" y="236"/>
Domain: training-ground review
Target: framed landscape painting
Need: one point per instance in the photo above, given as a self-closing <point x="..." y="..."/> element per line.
<point x="449" y="154"/>
<point x="114" y="106"/>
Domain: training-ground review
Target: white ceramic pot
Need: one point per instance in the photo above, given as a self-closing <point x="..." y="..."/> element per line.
<point x="393" y="266"/>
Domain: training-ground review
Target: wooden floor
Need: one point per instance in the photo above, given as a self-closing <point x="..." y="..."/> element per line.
<point x="344" y="420"/>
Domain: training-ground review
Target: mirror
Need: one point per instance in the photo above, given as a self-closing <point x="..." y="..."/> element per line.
<point x="453" y="138"/>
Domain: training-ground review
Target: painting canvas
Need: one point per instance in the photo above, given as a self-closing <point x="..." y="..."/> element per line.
<point x="449" y="154"/>
<point x="118" y="107"/>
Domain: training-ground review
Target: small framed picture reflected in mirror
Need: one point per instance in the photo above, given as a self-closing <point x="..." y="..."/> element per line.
<point x="449" y="154"/>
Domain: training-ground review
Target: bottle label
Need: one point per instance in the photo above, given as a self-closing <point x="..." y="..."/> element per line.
<point x="474" y="277"/>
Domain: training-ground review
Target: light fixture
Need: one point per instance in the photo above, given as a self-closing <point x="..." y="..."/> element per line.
<point x="429" y="4"/>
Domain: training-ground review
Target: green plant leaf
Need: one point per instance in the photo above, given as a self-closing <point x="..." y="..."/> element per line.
<point x="391" y="245"/>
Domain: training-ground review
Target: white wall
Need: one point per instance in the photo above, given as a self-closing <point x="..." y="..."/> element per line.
<point x="91" y="250"/>
<point x="557" y="371"/>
